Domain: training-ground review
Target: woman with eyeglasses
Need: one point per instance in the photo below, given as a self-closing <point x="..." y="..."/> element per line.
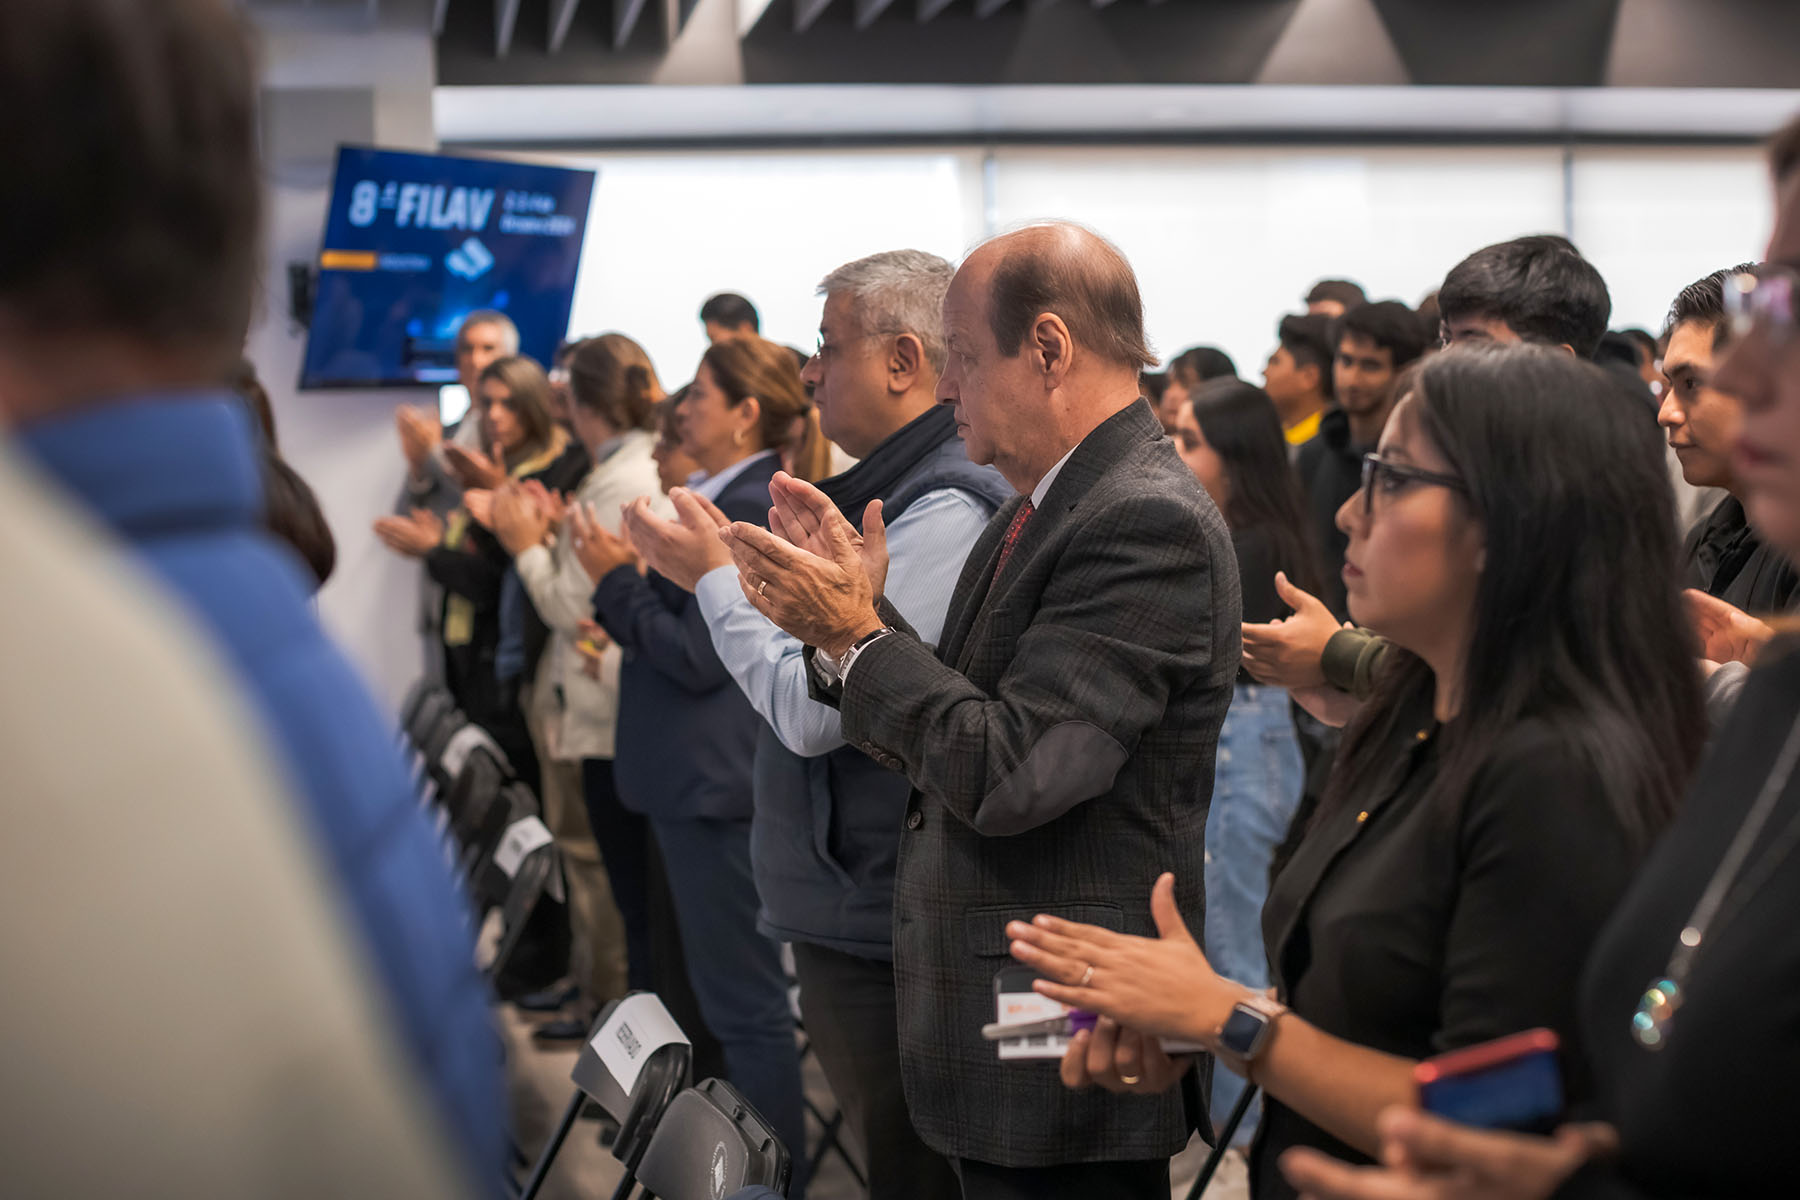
<point x="1535" y="722"/>
<point x="1690" y="1016"/>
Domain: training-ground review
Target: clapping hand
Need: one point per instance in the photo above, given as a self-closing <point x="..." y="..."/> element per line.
<point x="1428" y="1158"/>
<point x="420" y="433"/>
<point x="1289" y="652"/>
<point x="414" y="536"/>
<point x="1120" y="1060"/>
<point x="1159" y="986"/>
<point x="552" y="504"/>
<point x="1726" y="634"/>
<point x="683" y="550"/>
<point x="825" y="600"/>
<point x="479" y="504"/>
<point x="472" y="468"/>
<point x="599" y="550"/>
<point x="519" y="521"/>
<point x="806" y="517"/>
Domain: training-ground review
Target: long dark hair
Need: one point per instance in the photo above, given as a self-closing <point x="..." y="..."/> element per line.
<point x="1578" y="615"/>
<point x="1238" y="421"/>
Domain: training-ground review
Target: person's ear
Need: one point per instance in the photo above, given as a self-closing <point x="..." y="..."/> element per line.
<point x="1570" y="349"/>
<point x="747" y="416"/>
<point x="906" y="359"/>
<point x="1052" y="348"/>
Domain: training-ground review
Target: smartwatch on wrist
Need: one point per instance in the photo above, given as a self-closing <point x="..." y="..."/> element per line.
<point x="1247" y="1031"/>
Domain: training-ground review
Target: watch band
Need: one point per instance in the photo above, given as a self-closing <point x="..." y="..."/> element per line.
<point x="856" y="649"/>
<point x="1255" y="1005"/>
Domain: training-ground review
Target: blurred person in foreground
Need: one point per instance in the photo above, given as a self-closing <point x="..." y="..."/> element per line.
<point x="252" y="1053"/>
<point x="1689" y="1013"/>
<point x="129" y="245"/>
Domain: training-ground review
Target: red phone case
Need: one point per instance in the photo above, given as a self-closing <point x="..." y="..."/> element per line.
<point x="1472" y="1060"/>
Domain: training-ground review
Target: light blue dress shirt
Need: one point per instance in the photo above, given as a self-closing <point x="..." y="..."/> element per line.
<point x="926" y="549"/>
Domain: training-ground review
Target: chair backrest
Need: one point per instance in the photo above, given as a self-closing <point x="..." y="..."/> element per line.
<point x="664" y="1072"/>
<point x="481" y="828"/>
<point x="494" y="878"/>
<point x="530" y="886"/>
<point x="469" y="795"/>
<point x="424" y="705"/>
<point x="462" y="741"/>
<point x="710" y="1144"/>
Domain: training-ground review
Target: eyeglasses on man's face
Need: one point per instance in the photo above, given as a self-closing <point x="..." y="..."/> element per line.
<point x="1385" y="478"/>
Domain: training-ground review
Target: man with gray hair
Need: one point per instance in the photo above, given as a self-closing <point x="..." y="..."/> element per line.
<point x="828" y="818"/>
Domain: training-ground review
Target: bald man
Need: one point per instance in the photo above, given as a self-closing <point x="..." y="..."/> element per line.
<point x="1060" y="739"/>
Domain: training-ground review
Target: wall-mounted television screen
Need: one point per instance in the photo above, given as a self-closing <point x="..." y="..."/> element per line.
<point x="416" y="242"/>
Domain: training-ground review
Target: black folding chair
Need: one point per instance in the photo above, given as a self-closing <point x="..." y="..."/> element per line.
<point x="1222" y="1143"/>
<point x="416" y="695"/>
<point x="517" y="875"/>
<point x="664" y="1073"/>
<point x="711" y="1143"/>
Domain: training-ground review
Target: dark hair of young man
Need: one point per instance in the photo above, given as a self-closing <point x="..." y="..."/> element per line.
<point x="1307" y="339"/>
<point x="1389" y="324"/>
<point x="131" y="133"/>
<point x="1539" y="286"/>
<point x="1645" y="342"/>
<point x="1197" y="364"/>
<point x="1343" y="291"/>
<point x="728" y="310"/>
<point x="1153" y="384"/>
<point x="1703" y="302"/>
<point x="1593" y="516"/>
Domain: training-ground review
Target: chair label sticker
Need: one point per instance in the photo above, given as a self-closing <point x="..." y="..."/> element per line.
<point x="522" y="837"/>
<point x="638" y="1028"/>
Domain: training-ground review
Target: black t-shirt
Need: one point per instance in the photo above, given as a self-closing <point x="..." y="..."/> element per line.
<point x="1415" y="922"/>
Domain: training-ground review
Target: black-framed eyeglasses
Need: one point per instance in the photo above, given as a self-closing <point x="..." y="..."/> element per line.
<point x="1390" y="478"/>
<point x="1766" y="297"/>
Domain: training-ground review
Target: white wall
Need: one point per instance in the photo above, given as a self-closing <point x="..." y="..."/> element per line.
<point x="343" y="443"/>
<point x="1224" y="240"/>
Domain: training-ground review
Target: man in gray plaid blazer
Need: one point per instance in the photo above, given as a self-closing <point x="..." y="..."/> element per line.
<point x="1060" y="741"/>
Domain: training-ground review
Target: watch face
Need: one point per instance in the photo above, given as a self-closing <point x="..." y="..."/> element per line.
<point x="1243" y="1029"/>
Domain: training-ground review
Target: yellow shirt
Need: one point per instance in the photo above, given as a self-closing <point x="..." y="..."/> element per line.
<point x="1303" y="431"/>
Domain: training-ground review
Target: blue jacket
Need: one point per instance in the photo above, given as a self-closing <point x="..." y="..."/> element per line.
<point x="686" y="733"/>
<point x="827" y="833"/>
<point x="177" y="478"/>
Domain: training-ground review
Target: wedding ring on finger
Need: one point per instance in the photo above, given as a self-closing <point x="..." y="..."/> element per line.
<point x="1087" y="976"/>
<point x="1131" y="1079"/>
<point x="762" y="589"/>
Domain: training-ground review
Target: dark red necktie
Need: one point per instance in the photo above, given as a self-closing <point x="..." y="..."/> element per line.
<point x="1011" y="539"/>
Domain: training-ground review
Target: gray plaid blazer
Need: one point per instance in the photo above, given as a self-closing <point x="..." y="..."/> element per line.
<point x="1060" y="743"/>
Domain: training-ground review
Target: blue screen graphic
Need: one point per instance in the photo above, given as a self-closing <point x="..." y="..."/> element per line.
<point x="415" y="242"/>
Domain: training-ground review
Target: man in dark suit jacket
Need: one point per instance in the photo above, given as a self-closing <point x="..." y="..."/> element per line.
<point x="1060" y="742"/>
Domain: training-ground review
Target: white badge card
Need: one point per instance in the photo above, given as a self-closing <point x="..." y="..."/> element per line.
<point x="638" y="1028"/>
<point x="521" y="838"/>
<point x="1014" y="1004"/>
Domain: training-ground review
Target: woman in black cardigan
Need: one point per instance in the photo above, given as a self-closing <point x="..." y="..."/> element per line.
<point x="1514" y="538"/>
<point x="1689" y="1007"/>
<point x="513" y="404"/>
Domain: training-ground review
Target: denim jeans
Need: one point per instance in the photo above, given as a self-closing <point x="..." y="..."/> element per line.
<point x="1256" y="790"/>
